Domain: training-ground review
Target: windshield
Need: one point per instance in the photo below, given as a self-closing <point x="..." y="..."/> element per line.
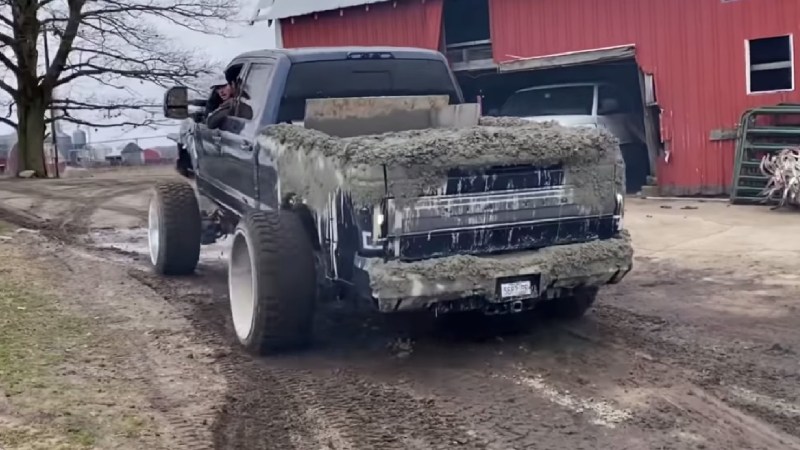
<point x="363" y="78"/>
<point x="555" y="101"/>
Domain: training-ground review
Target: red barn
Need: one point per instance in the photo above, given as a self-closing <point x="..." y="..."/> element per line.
<point x="151" y="156"/>
<point x="693" y="66"/>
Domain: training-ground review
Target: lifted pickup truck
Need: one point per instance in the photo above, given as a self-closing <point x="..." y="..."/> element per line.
<point x="359" y="174"/>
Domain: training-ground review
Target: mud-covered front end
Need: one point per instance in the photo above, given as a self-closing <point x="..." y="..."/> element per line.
<point x="493" y="216"/>
<point x="495" y="283"/>
<point x="499" y="239"/>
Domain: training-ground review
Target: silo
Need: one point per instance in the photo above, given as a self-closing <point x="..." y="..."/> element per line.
<point x="78" y="139"/>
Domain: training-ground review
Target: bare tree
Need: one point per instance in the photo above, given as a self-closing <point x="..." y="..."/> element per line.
<point x="106" y="42"/>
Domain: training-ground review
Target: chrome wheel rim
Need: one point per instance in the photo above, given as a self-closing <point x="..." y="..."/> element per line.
<point x="242" y="285"/>
<point x="153" y="230"/>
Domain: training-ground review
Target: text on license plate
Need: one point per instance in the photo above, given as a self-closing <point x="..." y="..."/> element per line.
<point x="516" y="289"/>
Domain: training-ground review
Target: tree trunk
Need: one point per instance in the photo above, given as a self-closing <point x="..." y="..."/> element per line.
<point x="30" y="135"/>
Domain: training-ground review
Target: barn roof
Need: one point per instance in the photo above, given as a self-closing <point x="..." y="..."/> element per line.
<point x="282" y="9"/>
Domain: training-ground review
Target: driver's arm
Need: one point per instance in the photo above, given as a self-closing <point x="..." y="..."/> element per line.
<point x="214" y="101"/>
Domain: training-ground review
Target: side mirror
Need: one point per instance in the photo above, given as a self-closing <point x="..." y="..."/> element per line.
<point x="176" y="103"/>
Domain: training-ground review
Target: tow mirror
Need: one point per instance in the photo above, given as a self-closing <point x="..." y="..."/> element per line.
<point x="176" y="103"/>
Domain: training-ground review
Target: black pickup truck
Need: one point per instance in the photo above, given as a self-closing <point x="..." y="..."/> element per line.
<point x="361" y="175"/>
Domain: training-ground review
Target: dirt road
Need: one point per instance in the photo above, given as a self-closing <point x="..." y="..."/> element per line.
<point x="697" y="348"/>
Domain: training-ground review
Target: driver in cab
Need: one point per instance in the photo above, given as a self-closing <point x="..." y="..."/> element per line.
<point x="226" y="101"/>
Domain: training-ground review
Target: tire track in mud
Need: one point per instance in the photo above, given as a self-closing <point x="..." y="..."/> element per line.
<point x="84" y="197"/>
<point x="76" y="218"/>
<point x="277" y="404"/>
<point x="721" y="363"/>
<point x="258" y="412"/>
<point x="293" y="403"/>
<point x="188" y="429"/>
<point x="80" y="217"/>
<point x="717" y="372"/>
<point x="731" y="424"/>
<point x="284" y="403"/>
<point x="129" y="348"/>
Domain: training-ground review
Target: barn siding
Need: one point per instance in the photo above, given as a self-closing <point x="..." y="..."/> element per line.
<point x="409" y="23"/>
<point x="694" y="48"/>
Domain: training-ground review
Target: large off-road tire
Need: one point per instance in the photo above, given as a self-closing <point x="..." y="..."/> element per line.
<point x="574" y="306"/>
<point x="174" y="228"/>
<point x="272" y="282"/>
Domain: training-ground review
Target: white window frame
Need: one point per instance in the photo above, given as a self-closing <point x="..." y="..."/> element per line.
<point x="748" y="67"/>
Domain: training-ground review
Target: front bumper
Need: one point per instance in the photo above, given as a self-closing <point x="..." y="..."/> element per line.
<point x="473" y="281"/>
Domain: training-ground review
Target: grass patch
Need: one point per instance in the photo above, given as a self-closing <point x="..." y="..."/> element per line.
<point x="59" y="387"/>
<point x="35" y="338"/>
<point x="36" y="439"/>
<point x="34" y="342"/>
<point x="132" y="426"/>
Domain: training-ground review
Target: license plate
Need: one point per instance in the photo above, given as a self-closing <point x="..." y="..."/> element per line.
<point x="516" y="289"/>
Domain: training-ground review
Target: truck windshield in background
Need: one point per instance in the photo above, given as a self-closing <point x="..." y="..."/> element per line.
<point x="349" y="78"/>
<point x="555" y="101"/>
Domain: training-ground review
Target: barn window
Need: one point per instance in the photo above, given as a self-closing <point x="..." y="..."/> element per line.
<point x="770" y="64"/>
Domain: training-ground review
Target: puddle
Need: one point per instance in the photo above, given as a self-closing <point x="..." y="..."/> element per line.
<point x="134" y="242"/>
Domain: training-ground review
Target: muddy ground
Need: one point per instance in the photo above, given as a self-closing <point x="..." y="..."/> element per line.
<point x="697" y="349"/>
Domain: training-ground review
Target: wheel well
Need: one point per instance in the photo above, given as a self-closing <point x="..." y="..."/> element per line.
<point x="309" y="223"/>
<point x="184" y="162"/>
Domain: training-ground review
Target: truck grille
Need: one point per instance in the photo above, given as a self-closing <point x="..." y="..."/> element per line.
<point x="493" y="210"/>
<point x="502" y="178"/>
<point x="504" y="238"/>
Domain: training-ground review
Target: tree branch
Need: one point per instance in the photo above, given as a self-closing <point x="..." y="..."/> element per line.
<point x="10" y="65"/>
<point x="4" y="38"/>
<point x="14" y="93"/>
<point x="96" y="106"/>
<point x="64" y="48"/>
<point x="43" y="3"/>
<point x="78" y="121"/>
<point x="6" y="118"/>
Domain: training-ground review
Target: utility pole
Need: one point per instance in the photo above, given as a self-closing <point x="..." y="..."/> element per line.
<point x="53" y="127"/>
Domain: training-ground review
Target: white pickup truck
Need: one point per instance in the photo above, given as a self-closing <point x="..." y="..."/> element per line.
<point x="596" y="105"/>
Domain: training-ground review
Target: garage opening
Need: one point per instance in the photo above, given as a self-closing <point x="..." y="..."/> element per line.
<point x="606" y="93"/>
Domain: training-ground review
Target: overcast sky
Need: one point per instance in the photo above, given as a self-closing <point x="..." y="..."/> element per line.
<point x="241" y="38"/>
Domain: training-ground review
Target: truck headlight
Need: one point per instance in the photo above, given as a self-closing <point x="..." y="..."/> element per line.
<point x="619" y="211"/>
<point x="371" y="237"/>
<point x="378" y="219"/>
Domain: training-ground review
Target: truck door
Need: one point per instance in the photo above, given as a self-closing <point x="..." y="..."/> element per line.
<point x="237" y="168"/>
<point x="207" y="146"/>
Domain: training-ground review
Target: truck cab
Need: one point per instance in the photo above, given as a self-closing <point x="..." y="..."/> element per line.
<point x="274" y="88"/>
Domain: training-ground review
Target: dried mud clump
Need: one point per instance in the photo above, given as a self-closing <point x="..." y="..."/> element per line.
<point x="492" y="121"/>
<point x="313" y="164"/>
<point x="561" y="262"/>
